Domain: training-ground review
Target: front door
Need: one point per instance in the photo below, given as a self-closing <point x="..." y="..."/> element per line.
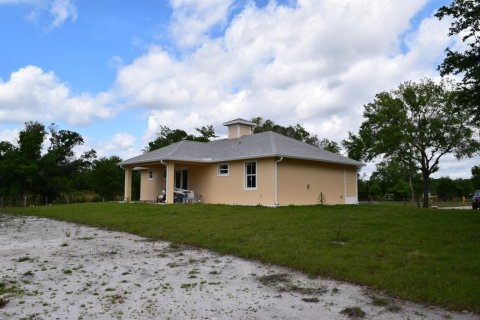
<point x="181" y="178"/>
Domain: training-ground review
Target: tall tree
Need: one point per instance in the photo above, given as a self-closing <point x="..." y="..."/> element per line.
<point x="476" y="177"/>
<point x="391" y="172"/>
<point x="296" y="132"/>
<point x="60" y="166"/>
<point x="30" y="142"/>
<point x="167" y="136"/>
<point x="329" y="145"/>
<point x="417" y="123"/>
<point x="107" y="178"/>
<point x="465" y="23"/>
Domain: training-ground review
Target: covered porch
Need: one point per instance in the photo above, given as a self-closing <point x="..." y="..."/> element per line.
<point x="170" y="177"/>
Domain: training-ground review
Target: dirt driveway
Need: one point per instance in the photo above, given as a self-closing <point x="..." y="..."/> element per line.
<point x="57" y="270"/>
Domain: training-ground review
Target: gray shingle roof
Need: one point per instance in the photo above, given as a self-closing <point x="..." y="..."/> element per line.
<point x="259" y="145"/>
<point x="240" y="121"/>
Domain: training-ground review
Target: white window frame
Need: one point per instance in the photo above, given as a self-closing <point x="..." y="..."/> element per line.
<point x="150" y="175"/>
<point x="219" y="173"/>
<point x="245" y="175"/>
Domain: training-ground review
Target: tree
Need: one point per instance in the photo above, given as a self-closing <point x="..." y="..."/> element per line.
<point x="466" y="23"/>
<point x="60" y="167"/>
<point x="476" y="177"/>
<point x="354" y="146"/>
<point x="391" y="175"/>
<point x="167" y="136"/>
<point x="106" y="177"/>
<point x="329" y="145"/>
<point x="296" y="132"/>
<point x="28" y="157"/>
<point x="418" y="124"/>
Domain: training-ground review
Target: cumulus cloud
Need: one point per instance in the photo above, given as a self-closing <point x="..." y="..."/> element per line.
<point x="192" y="19"/>
<point x="61" y="10"/>
<point x="58" y="10"/>
<point x="121" y="144"/>
<point x="9" y="135"/>
<point x="31" y="93"/>
<point x="316" y="63"/>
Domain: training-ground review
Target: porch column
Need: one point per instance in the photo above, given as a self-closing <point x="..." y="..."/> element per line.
<point x="128" y="185"/>
<point x="170" y="181"/>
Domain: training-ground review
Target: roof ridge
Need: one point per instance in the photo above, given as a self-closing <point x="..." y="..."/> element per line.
<point x="176" y="147"/>
<point x="273" y="142"/>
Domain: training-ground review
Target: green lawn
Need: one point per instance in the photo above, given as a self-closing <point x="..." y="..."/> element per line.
<point x="430" y="256"/>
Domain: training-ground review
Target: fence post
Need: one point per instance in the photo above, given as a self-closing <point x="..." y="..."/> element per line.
<point x="25" y="200"/>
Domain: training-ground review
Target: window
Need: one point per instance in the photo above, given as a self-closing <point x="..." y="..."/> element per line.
<point x="181" y="178"/>
<point x="150" y="175"/>
<point x="250" y="175"/>
<point x="223" y="169"/>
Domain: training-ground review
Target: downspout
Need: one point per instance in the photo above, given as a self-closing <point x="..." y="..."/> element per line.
<point x="276" y="180"/>
<point x="166" y="179"/>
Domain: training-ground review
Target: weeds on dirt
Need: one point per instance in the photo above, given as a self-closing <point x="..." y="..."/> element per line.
<point x="394" y="308"/>
<point x="354" y="312"/>
<point x="273" y="279"/>
<point x="311" y="234"/>
<point x="379" y="302"/>
<point x="24" y="259"/>
<point x="310" y="300"/>
<point x="188" y="286"/>
<point x="3" y="302"/>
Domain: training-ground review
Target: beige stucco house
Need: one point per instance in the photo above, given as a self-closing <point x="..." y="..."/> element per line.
<point x="246" y="169"/>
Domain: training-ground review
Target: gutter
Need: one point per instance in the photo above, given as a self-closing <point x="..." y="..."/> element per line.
<point x="276" y="181"/>
<point x="166" y="179"/>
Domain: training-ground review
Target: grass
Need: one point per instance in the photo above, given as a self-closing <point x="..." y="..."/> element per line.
<point x="429" y="256"/>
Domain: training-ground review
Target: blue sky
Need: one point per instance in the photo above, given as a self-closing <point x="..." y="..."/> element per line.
<point x="116" y="70"/>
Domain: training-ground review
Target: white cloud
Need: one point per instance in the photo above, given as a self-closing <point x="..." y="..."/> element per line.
<point x="32" y="94"/>
<point x="193" y="19"/>
<point x="120" y="141"/>
<point x="316" y="64"/>
<point x="61" y="10"/>
<point x="58" y="10"/>
<point x="9" y="135"/>
<point x="121" y="144"/>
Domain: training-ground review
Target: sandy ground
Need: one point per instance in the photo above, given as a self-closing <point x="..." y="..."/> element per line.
<point x="68" y="271"/>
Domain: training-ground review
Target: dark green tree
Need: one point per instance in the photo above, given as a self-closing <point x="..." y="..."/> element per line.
<point x="354" y="147"/>
<point x="60" y="167"/>
<point x="446" y="189"/>
<point x="476" y="177"/>
<point x="418" y="123"/>
<point x="401" y="190"/>
<point x="329" y="145"/>
<point x="167" y="136"/>
<point x="28" y="167"/>
<point x="296" y="132"/>
<point x="107" y="178"/>
<point x="465" y="23"/>
<point x="389" y="172"/>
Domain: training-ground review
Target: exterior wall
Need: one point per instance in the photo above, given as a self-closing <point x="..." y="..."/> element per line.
<point x="209" y="187"/>
<point x="300" y="182"/>
<point x="351" y="195"/>
<point x="238" y="130"/>
<point x="150" y="189"/>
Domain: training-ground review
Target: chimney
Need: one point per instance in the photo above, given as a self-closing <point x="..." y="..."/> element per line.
<point x="239" y="127"/>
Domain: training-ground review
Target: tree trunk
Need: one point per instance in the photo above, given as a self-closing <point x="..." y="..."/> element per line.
<point x="410" y="183"/>
<point x="426" y="187"/>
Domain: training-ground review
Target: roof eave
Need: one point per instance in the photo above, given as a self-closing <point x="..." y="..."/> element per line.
<point x="359" y="164"/>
